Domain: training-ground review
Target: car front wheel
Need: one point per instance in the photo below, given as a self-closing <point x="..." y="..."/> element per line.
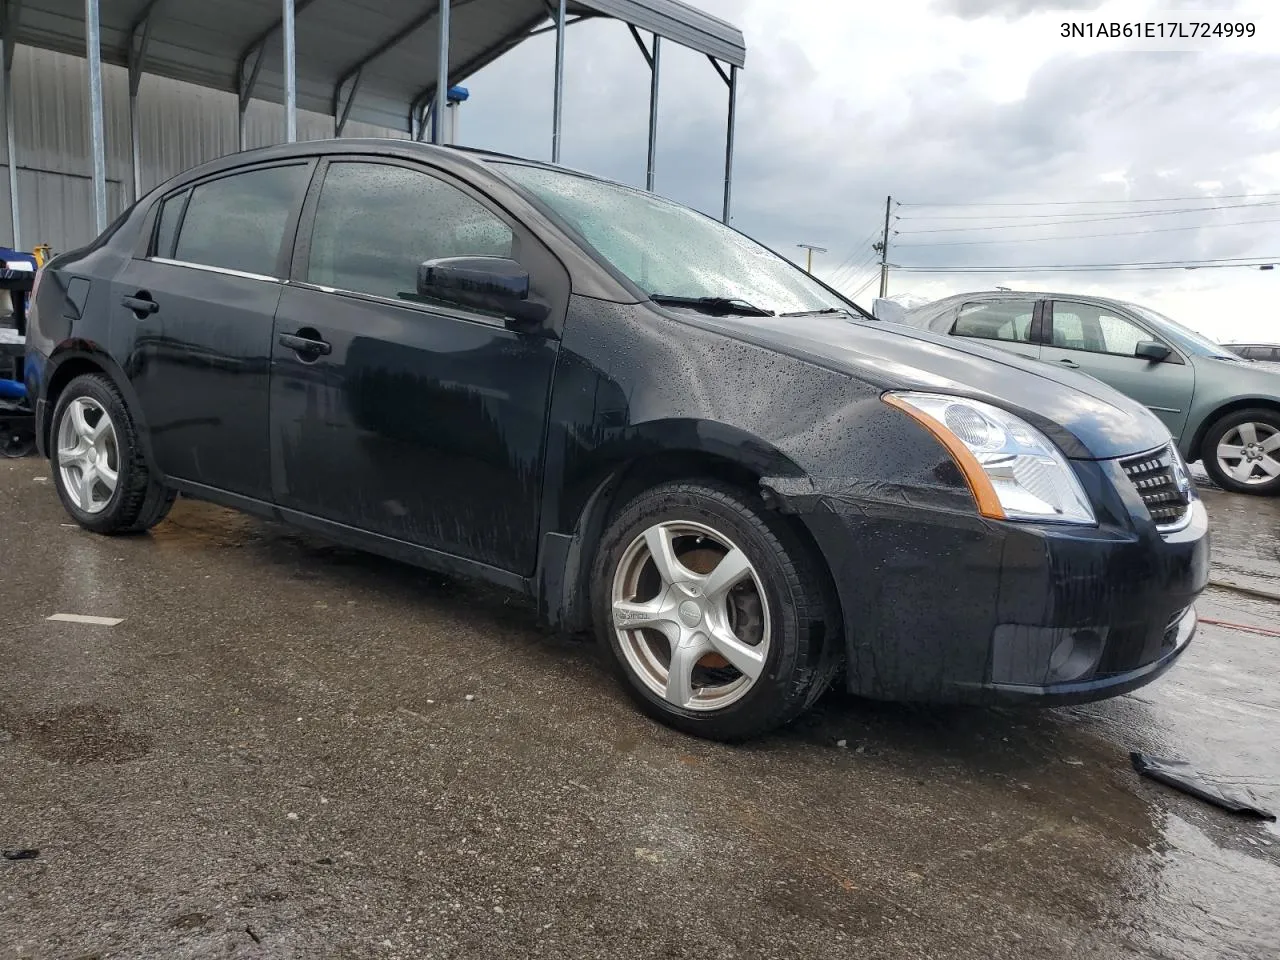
<point x="1241" y="452"/>
<point x="718" y="619"/>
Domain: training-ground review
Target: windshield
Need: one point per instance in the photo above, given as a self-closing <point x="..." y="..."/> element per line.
<point x="668" y="250"/>
<point x="1188" y="338"/>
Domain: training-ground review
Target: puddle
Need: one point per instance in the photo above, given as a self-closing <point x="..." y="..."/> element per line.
<point x="76" y="734"/>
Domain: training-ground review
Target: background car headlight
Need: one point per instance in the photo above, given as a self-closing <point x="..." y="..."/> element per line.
<point x="1014" y="470"/>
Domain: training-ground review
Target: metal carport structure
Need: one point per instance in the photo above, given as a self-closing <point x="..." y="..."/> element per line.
<point x="385" y="62"/>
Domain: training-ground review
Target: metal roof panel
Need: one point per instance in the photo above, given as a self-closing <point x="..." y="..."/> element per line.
<point x="205" y="41"/>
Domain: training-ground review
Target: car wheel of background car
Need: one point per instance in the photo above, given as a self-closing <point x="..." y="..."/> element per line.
<point x="1241" y="452"/>
<point x="98" y="467"/>
<point x="718" y="619"/>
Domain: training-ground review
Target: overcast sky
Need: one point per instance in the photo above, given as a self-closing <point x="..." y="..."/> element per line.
<point x="943" y="102"/>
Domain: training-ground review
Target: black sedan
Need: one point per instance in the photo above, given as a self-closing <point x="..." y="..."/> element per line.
<point x="656" y="427"/>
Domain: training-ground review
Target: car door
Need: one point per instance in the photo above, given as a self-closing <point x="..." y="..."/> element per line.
<point x="1008" y="324"/>
<point x="198" y="312"/>
<point x="395" y="416"/>
<point x="1100" y="341"/>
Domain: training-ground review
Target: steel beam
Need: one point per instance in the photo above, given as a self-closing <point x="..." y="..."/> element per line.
<point x="97" y="136"/>
<point x="255" y="49"/>
<point x="340" y="122"/>
<point x="557" y="111"/>
<point x="245" y="93"/>
<point x="290" y="69"/>
<point x="471" y="66"/>
<point x="257" y="43"/>
<point x="728" y="150"/>
<point x="442" y="74"/>
<point x="393" y="41"/>
<point x="9" y="12"/>
<point x="644" y="51"/>
<point x="655" y="71"/>
<point x="137" y="60"/>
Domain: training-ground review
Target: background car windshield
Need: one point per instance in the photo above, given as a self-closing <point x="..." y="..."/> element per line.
<point x="1188" y="339"/>
<point x="667" y="249"/>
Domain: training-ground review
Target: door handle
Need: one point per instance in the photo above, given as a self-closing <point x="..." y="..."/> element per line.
<point x="305" y="345"/>
<point x="141" y="304"/>
<point x="1069" y="363"/>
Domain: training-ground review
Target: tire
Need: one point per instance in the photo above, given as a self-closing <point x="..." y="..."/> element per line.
<point x="782" y="618"/>
<point x="1235" y="432"/>
<point x="137" y="501"/>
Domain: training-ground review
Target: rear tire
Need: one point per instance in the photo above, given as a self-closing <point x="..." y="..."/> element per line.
<point x="1241" y="452"/>
<point x="99" y="470"/>
<point x="742" y="594"/>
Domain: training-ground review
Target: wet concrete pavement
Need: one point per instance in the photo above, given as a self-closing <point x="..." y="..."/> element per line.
<point x="274" y="755"/>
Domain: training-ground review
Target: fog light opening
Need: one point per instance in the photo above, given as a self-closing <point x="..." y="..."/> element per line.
<point x="1075" y="656"/>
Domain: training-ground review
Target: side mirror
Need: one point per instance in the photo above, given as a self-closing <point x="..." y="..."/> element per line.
<point x="489" y="284"/>
<point x="1150" y="350"/>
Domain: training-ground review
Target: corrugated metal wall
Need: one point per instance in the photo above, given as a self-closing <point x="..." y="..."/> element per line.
<point x="182" y="125"/>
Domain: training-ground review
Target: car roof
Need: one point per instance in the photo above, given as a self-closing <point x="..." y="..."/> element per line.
<point x="458" y="157"/>
<point x="1028" y="295"/>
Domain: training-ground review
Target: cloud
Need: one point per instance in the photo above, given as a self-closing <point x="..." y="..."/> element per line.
<point x="839" y="107"/>
<point x="1009" y="9"/>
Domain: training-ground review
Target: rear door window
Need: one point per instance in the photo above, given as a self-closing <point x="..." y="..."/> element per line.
<point x="1008" y="320"/>
<point x="238" y="222"/>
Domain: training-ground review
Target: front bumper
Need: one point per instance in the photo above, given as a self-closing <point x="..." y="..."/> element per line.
<point x="944" y="606"/>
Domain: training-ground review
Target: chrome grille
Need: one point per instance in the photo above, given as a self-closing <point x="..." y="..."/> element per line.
<point x="1155" y="477"/>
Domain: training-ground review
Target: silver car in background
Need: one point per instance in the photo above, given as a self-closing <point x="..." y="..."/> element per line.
<point x="1221" y="409"/>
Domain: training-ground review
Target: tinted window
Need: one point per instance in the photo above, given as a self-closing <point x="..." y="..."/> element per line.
<point x="375" y="224"/>
<point x="167" y="231"/>
<point x="238" y="222"/>
<point x="1003" y="320"/>
<point x="1082" y="326"/>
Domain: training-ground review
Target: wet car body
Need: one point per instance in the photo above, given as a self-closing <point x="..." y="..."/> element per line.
<point x="482" y="449"/>
<point x="1204" y="392"/>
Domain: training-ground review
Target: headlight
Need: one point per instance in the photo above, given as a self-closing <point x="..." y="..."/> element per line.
<point x="1014" y="470"/>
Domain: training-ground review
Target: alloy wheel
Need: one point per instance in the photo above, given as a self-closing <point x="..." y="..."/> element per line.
<point x="88" y="455"/>
<point x="691" y="615"/>
<point x="1249" y="453"/>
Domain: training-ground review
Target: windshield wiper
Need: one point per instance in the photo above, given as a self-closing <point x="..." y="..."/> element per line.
<point x="717" y="305"/>
<point x="857" y="311"/>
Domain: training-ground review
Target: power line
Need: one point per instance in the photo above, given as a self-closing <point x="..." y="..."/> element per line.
<point x="1084" y="236"/>
<point x="854" y="270"/>
<point x="1074" y="203"/>
<point x="1100" y="267"/>
<point x="863" y="289"/>
<point x="1107" y="219"/>
<point x="860" y="279"/>
<point x="866" y="242"/>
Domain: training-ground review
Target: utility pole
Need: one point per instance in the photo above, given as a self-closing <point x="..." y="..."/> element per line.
<point x="812" y="249"/>
<point x="883" y="248"/>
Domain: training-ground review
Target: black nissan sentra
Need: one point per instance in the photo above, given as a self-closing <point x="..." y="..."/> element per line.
<point x="652" y="425"/>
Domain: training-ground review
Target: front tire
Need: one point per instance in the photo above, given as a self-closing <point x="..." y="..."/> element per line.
<point x="718" y="620"/>
<point x="99" y="470"/>
<point x="1241" y="452"/>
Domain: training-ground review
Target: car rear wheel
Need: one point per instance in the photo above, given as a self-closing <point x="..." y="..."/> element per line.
<point x="99" y="471"/>
<point x="1241" y="452"/>
<point x="718" y="619"/>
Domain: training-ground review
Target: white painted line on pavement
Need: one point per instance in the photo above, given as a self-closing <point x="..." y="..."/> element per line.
<point x="80" y="618"/>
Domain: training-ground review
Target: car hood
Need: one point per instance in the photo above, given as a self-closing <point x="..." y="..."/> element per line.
<point x="1083" y="416"/>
